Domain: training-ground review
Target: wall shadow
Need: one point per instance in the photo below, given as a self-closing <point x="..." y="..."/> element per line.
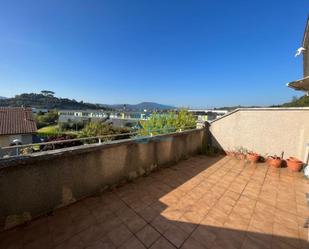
<point x="167" y="209"/>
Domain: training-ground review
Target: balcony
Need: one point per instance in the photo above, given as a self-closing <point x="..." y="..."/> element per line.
<point x="157" y="192"/>
<point x="201" y="202"/>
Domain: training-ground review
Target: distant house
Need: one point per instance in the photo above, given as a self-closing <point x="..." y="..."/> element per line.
<point x="17" y="125"/>
<point x="101" y="115"/>
<point x="81" y="115"/>
<point x="207" y="114"/>
<point x="303" y="84"/>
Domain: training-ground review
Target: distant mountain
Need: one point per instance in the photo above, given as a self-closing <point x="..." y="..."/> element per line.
<point x="231" y="108"/>
<point x="46" y="101"/>
<point x="1" y="97"/>
<point x="149" y="106"/>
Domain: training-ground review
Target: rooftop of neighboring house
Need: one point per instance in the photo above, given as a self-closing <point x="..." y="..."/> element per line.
<point x="17" y="120"/>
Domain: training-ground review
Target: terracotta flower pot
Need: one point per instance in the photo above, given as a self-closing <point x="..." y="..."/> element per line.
<point x="253" y="157"/>
<point x="294" y="164"/>
<point x="275" y="162"/>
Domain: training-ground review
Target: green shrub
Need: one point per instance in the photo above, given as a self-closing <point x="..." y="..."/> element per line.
<point x="167" y="122"/>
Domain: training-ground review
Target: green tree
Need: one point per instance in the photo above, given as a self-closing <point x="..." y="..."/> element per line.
<point x="168" y="122"/>
<point x="71" y="125"/>
<point x="94" y="129"/>
<point x="47" y="93"/>
<point x="49" y="118"/>
<point x="298" y="102"/>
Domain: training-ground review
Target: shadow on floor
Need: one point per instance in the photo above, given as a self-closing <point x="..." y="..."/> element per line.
<point x="201" y="202"/>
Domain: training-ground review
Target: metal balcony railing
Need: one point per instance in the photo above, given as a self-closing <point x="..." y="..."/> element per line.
<point x="26" y="149"/>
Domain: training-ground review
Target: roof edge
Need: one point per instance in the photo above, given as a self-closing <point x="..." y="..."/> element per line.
<point x="306" y="34"/>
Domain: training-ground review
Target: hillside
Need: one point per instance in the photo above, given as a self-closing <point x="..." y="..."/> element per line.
<point x="150" y="106"/>
<point x="231" y="108"/>
<point x="295" y="102"/>
<point x="46" y="101"/>
<point x="298" y="102"/>
<point x="1" y="97"/>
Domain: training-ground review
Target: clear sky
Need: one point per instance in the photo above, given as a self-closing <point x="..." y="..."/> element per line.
<point x="181" y="52"/>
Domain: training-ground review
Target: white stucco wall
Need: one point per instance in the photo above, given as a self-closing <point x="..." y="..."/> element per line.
<point x="267" y="131"/>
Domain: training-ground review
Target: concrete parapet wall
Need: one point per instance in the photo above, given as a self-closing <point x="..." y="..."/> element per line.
<point x="264" y="130"/>
<point x="37" y="184"/>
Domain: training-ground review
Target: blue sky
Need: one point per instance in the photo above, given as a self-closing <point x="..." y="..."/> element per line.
<point x="184" y="53"/>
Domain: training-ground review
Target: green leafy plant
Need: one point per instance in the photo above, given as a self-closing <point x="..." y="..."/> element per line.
<point x="167" y="122"/>
<point x="94" y="129"/>
<point x="46" y="119"/>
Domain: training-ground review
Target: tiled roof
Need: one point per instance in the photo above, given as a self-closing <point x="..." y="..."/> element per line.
<point x="17" y="120"/>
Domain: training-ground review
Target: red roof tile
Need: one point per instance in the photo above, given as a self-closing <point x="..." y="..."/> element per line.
<point x="16" y="121"/>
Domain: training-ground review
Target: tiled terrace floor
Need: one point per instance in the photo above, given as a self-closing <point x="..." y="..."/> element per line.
<point x="199" y="203"/>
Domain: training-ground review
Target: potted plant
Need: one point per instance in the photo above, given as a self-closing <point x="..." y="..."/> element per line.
<point x="274" y="161"/>
<point x="294" y="164"/>
<point x="253" y="157"/>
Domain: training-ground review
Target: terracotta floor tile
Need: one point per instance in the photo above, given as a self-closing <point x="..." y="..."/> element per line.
<point x="233" y="195"/>
<point x="237" y="222"/>
<point x="126" y="214"/>
<point x="279" y="244"/>
<point x="81" y="223"/>
<point x="205" y="235"/>
<point x="45" y="241"/>
<point x="176" y="235"/>
<point x="229" y="239"/>
<point x="135" y="223"/>
<point x="202" y="202"/>
<point x="63" y="233"/>
<point x="261" y="239"/>
<point x="263" y="226"/>
<point x="148" y="235"/>
<point x="35" y="230"/>
<point x="119" y="235"/>
<point x="92" y="234"/>
<point x="161" y="224"/>
<point x="224" y="207"/>
<point x="215" y="215"/>
<point x="172" y="213"/>
<point x="191" y="243"/>
<point x="73" y="242"/>
<point x="133" y="243"/>
<point x="100" y="213"/>
<point x="303" y="210"/>
<point x="286" y="234"/>
<point x="149" y="213"/>
<point x="101" y="245"/>
<point x="251" y="244"/>
<point x="12" y="239"/>
<point x="162" y="243"/>
<point x="286" y="219"/>
<point x="185" y="225"/>
<point x="194" y="216"/>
